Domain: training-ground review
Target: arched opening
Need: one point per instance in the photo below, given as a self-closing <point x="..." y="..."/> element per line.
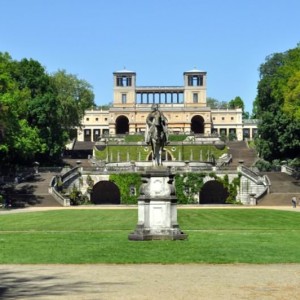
<point x="213" y="192"/>
<point x="197" y="124"/>
<point x="105" y="192"/>
<point x="122" y="125"/>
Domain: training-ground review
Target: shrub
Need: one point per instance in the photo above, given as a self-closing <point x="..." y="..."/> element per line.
<point x="76" y="197"/>
<point x="125" y="183"/>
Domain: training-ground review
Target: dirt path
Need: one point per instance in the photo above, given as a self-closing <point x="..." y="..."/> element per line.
<point x="150" y="282"/>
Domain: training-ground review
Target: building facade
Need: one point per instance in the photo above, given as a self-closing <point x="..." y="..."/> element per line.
<point x="184" y="107"/>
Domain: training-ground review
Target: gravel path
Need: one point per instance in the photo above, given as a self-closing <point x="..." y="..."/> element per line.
<point x="280" y="281"/>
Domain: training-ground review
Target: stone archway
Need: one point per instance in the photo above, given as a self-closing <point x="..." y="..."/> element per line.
<point x="197" y="124"/>
<point x="213" y="192"/>
<point x="105" y="192"/>
<point x="122" y="125"/>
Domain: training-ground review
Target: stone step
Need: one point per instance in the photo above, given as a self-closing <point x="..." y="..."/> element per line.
<point x="278" y="199"/>
<point x="33" y="191"/>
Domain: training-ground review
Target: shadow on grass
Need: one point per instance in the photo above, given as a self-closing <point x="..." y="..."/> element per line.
<point x="25" y="284"/>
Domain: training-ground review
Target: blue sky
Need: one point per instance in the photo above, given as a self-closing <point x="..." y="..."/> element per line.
<point x="158" y="39"/>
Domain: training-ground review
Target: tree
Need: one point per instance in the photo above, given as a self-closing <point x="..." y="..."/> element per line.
<point x="292" y="96"/>
<point x="215" y="104"/>
<point x="74" y="96"/>
<point x="16" y="130"/>
<point x="277" y="106"/>
<point x="237" y="102"/>
<point x="38" y="110"/>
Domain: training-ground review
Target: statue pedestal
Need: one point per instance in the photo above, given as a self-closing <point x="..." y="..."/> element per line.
<point x="157" y="208"/>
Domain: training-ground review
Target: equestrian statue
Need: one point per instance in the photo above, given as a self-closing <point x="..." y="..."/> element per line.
<point x="156" y="133"/>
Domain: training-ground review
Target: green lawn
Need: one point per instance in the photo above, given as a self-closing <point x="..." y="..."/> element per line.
<point x="101" y="236"/>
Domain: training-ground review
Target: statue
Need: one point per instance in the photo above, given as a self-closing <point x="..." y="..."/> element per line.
<point x="156" y="133"/>
<point x="157" y="211"/>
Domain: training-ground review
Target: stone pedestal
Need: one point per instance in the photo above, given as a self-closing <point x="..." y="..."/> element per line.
<point x="157" y="208"/>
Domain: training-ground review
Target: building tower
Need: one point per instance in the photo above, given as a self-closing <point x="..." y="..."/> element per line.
<point x="124" y="88"/>
<point x="195" y="88"/>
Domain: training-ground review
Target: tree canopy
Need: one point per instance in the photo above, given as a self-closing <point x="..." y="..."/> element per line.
<point x="277" y="106"/>
<point x="214" y="103"/>
<point x="37" y="110"/>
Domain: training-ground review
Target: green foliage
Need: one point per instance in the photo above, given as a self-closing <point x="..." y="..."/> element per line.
<point x="90" y="183"/>
<point x="73" y="95"/>
<point x="232" y="188"/>
<point x="232" y="136"/>
<point x="295" y="163"/>
<point x="188" y="185"/>
<point x="134" y="138"/>
<point x="123" y="152"/>
<point x="279" y="136"/>
<point x="214" y="103"/>
<point x="37" y="110"/>
<point x="125" y="182"/>
<point x="177" y="137"/>
<point x="275" y="165"/>
<point x="237" y="102"/>
<point x="277" y="105"/>
<point x="136" y="152"/>
<point x="76" y="197"/>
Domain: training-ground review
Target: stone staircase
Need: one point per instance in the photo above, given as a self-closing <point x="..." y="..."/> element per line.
<point x="283" y="188"/>
<point x="241" y="153"/>
<point x="33" y="191"/>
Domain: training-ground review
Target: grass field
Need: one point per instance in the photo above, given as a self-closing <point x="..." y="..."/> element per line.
<point x="101" y="236"/>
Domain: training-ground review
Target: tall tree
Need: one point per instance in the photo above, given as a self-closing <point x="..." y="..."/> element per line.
<point x="37" y="110"/>
<point x="237" y="102"/>
<point x="74" y="96"/>
<point x="276" y="105"/>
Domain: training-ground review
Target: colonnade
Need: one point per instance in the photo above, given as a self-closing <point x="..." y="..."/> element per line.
<point x="159" y="97"/>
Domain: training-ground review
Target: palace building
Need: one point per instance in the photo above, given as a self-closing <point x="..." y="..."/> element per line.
<point x="184" y="107"/>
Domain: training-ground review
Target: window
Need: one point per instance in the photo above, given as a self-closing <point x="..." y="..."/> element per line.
<point x="214" y="118"/>
<point x="105" y="119"/>
<point x="254" y="132"/>
<point x="223" y="118"/>
<point x="97" y="119"/>
<point x="132" y="190"/>
<point x="195" y="97"/>
<point x="124" y="81"/>
<point x="195" y="80"/>
<point x="232" y="118"/>
<point x="87" y="119"/>
<point x="124" y="98"/>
